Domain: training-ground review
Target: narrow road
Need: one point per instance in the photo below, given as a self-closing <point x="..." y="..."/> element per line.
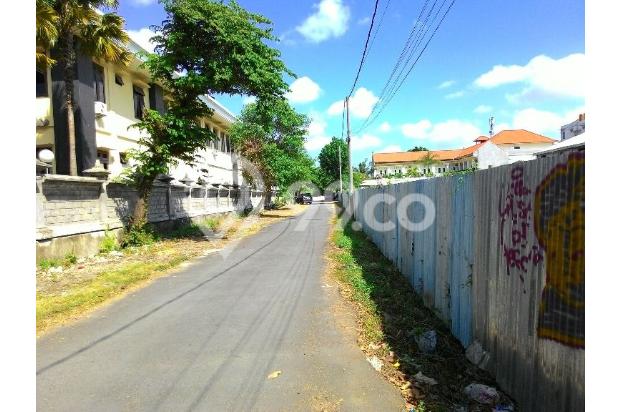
<point x="208" y="336"/>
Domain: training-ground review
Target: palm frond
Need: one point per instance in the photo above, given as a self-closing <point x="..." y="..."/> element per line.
<point x="46" y="31"/>
<point x="103" y="37"/>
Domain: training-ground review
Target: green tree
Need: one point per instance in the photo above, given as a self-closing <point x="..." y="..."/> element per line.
<point x="418" y="149"/>
<point x="68" y="24"/>
<point x="328" y="161"/>
<point x="271" y="134"/>
<point x="428" y="160"/>
<point x="202" y="48"/>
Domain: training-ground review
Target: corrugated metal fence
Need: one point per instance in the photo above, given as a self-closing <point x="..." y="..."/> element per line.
<point x="502" y="263"/>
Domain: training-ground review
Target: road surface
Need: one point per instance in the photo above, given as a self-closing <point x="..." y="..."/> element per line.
<point x="208" y="336"/>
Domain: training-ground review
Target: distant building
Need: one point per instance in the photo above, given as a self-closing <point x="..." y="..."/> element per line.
<point x="574" y="128"/>
<point x="572" y="144"/>
<point x="505" y="147"/>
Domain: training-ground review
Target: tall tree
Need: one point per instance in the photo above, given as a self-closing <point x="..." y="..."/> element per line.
<point x="202" y="48"/>
<point x="70" y="23"/>
<point x="271" y="134"/>
<point x="328" y="160"/>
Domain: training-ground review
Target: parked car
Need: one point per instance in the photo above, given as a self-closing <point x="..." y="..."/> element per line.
<point x="304" y="199"/>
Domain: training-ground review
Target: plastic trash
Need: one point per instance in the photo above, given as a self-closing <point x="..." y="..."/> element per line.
<point x="421" y="378"/>
<point x="375" y="362"/>
<point x="477" y="355"/>
<point x="482" y="393"/>
<point x="427" y="341"/>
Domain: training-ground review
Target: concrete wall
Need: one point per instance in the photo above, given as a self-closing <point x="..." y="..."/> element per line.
<point x="502" y="264"/>
<point x="74" y="212"/>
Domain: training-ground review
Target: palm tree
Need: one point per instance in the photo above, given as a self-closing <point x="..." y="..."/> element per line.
<point x="428" y="160"/>
<point x="63" y="23"/>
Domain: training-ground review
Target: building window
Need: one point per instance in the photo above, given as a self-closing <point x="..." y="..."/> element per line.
<point x="138" y="102"/>
<point x="104" y="158"/>
<point x="517" y="147"/>
<point x="118" y="79"/>
<point x="41" y="84"/>
<point x="99" y="83"/>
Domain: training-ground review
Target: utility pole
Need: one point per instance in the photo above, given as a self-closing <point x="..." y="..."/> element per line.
<point x="340" y="167"/>
<point x="351" y="203"/>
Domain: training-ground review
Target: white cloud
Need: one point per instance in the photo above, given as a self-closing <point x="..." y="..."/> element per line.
<point x="143" y="2"/>
<point x="385" y="127"/>
<point x="364" y="141"/>
<point x="543" y="122"/>
<point x="483" y="108"/>
<point x="316" y="133"/>
<point x="142" y="37"/>
<point x="455" y="95"/>
<point x="454" y="131"/>
<point x="446" y="84"/>
<point x="360" y="104"/>
<point x="303" y="90"/>
<point x="248" y="99"/>
<point x="330" y="20"/>
<point x="363" y="20"/>
<point x="391" y="148"/>
<point x="542" y="77"/>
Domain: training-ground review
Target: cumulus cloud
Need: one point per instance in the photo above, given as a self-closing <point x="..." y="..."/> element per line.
<point x="317" y="137"/>
<point x="248" y="100"/>
<point x="143" y="2"/>
<point x="483" y="108"/>
<point x="544" y="122"/>
<point x="364" y="141"/>
<point x="542" y="77"/>
<point x="143" y="38"/>
<point x="455" y="95"/>
<point x="330" y="19"/>
<point x="446" y="84"/>
<point x="360" y="104"/>
<point x="391" y="148"/>
<point x="457" y="132"/>
<point x="385" y="127"/>
<point x="303" y="90"/>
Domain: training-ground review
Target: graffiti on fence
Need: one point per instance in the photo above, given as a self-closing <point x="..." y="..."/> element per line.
<point x="559" y="223"/>
<point x="515" y="218"/>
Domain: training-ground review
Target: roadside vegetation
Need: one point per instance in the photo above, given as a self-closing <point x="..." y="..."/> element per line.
<point x="70" y="287"/>
<point x="390" y="316"/>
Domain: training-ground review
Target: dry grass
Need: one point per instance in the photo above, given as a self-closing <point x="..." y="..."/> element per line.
<point x="89" y="283"/>
<point x="389" y="315"/>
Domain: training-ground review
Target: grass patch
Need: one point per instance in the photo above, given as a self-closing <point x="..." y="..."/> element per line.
<point x="390" y="315"/>
<point x="85" y="295"/>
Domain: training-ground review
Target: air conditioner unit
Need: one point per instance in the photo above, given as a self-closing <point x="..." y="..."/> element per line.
<point x="101" y="109"/>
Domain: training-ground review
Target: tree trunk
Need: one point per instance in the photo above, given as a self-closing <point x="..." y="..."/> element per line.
<point x="68" y="57"/>
<point x="139" y="217"/>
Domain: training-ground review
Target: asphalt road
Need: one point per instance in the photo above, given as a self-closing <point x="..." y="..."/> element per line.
<point x="208" y="336"/>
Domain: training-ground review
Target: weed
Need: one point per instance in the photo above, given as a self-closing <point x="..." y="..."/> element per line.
<point x="213" y="223"/>
<point x="190" y="230"/>
<point x="70" y="259"/>
<point x="45" y="264"/>
<point x="108" y="243"/>
<point x="139" y="236"/>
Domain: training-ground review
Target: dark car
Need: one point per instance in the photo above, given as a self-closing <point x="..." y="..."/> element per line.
<point x="304" y="199"/>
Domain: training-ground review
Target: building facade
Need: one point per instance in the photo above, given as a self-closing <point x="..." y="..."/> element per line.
<point x="574" y="128"/>
<point x="505" y="147"/>
<point x="109" y="99"/>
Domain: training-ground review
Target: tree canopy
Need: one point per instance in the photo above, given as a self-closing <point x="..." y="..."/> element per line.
<point x="202" y="48"/>
<point x="328" y="161"/>
<point x="271" y="134"/>
<point x="418" y="149"/>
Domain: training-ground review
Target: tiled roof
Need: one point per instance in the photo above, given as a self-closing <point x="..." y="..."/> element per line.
<point x="503" y="137"/>
<point x="519" y="136"/>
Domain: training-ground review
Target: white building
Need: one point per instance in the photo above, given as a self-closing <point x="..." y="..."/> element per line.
<point x="574" y="128"/>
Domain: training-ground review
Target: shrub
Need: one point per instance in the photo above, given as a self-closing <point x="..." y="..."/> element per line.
<point x="108" y="243"/>
<point x="138" y="236"/>
<point x="45" y="264"/>
<point x="187" y="230"/>
<point x="213" y="223"/>
<point x="70" y="259"/>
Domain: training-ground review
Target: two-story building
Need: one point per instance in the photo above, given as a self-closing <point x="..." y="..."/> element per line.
<point x="109" y="99"/>
<point x="505" y="147"/>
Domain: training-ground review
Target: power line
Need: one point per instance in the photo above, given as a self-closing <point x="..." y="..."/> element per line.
<point x="359" y="69"/>
<point x="415" y="39"/>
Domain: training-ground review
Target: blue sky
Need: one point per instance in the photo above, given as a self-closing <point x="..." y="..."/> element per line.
<point x="519" y="61"/>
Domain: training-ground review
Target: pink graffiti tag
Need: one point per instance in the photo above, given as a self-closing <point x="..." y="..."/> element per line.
<point x="515" y="212"/>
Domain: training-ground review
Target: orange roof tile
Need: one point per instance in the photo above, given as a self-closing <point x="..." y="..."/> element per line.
<point x="408" y="157"/>
<point x="519" y="136"/>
